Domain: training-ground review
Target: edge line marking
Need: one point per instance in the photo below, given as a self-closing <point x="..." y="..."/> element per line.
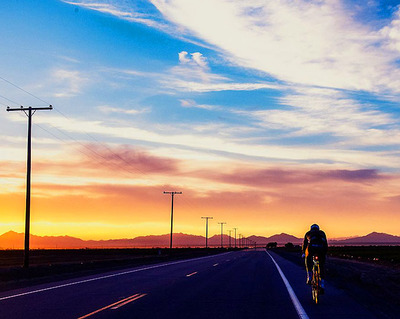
<point x="296" y="303"/>
<point x="109" y="276"/>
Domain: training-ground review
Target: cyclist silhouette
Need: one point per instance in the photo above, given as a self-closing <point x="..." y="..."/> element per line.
<point x="315" y="243"/>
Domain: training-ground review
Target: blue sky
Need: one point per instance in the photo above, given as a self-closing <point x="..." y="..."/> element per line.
<point x="216" y="87"/>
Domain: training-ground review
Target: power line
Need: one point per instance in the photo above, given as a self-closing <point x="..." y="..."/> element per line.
<point x="9" y="82"/>
<point x="9" y="100"/>
<point x="89" y="135"/>
<point x="91" y="150"/>
<point x="104" y="145"/>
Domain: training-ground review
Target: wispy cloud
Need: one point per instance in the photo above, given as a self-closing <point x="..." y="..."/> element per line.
<point x="68" y="82"/>
<point x="278" y="177"/>
<point x="126" y="157"/>
<point x="315" y="111"/>
<point x="132" y="11"/>
<point x="193" y="74"/>
<point x="191" y="103"/>
<point x="226" y="143"/>
<point x="313" y="43"/>
<point x="109" y="110"/>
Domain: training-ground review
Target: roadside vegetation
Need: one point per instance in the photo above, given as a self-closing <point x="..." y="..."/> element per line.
<point x="386" y="255"/>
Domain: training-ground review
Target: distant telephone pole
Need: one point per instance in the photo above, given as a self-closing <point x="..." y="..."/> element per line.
<point x="222" y="232"/>
<point x="206" y="218"/>
<point x="235" y="237"/>
<point x="230" y="231"/>
<point x="172" y="214"/>
<point x="29" y="111"/>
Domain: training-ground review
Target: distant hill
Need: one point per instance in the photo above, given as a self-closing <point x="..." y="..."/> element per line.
<point x="373" y="238"/>
<point x="281" y="239"/>
<point x="13" y="240"/>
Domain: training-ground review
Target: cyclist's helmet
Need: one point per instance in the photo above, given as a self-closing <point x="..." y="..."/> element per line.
<point x="314" y="227"/>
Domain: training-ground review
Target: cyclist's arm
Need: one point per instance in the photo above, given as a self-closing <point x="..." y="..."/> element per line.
<point x="325" y="242"/>
<point x="305" y="244"/>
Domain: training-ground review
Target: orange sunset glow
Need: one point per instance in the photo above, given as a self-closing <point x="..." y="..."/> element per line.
<point x="269" y="127"/>
<point x="122" y="197"/>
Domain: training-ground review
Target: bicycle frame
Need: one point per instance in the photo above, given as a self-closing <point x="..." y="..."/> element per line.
<point x="316" y="279"/>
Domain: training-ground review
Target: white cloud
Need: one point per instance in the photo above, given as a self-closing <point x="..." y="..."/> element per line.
<point x="117" y="9"/>
<point x="68" y="82"/>
<point x="391" y="33"/>
<point x="312" y="111"/>
<point x="192" y="86"/>
<point x="199" y="59"/>
<point x="213" y="142"/>
<point x="109" y="109"/>
<point x="306" y="42"/>
<point x="183" y="57"/>
<point x="194" y="75"/>
<point x="192" y="67"/>
<point x="132" y="12"/>
<point x="191" y="103"/>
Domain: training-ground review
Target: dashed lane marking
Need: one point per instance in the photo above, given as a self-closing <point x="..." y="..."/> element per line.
<point x="107" y="276"/>
<point x="193" y="273"/>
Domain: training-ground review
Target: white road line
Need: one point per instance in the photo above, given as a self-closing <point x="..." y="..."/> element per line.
<point x="193" y="273"/>
<point x="216" y="264"/>
<point x="108" y="276"/>
<point x="300" y="310"/>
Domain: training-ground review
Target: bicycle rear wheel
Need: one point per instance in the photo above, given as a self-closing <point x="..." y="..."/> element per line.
<point x="316" y="284"/>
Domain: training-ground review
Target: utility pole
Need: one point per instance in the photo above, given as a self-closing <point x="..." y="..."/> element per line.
<point x="230" y="231"/>
<point x="29" y="111"/>
<point x="206" y="218"/>
<point x="172" y="214"/>
<point x="235" y="237"/>
<point x="222" y="232"/>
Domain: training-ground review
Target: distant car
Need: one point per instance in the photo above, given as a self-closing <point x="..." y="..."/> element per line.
<point x="271" y="245"/>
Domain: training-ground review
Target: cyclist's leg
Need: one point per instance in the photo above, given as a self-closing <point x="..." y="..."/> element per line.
<point x="309" y="267"/>
<point x="322" y="260"/>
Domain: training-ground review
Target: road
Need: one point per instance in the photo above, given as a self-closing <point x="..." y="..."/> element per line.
<point x="242" y="284"/>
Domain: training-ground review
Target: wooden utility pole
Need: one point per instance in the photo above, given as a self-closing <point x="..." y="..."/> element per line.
<point x="29" y="111"/>
<point x="222" y="232"/>
<point x="172" y="214"/>
<point x="206" y="218"/>
<point x="235" y="237"/>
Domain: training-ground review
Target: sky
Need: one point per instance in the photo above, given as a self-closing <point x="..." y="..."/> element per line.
<point x="267" y="115"/>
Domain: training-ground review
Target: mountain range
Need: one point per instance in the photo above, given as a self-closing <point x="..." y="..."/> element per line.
<point x="14" y="240"/>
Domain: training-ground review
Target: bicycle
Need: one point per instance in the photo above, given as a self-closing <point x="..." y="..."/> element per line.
<point x="316" y="280"/>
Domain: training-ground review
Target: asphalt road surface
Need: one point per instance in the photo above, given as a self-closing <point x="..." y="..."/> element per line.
<point x="242" y="284"/>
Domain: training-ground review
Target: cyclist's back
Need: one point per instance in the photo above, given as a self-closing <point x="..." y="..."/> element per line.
<point x="315" y="243"/>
